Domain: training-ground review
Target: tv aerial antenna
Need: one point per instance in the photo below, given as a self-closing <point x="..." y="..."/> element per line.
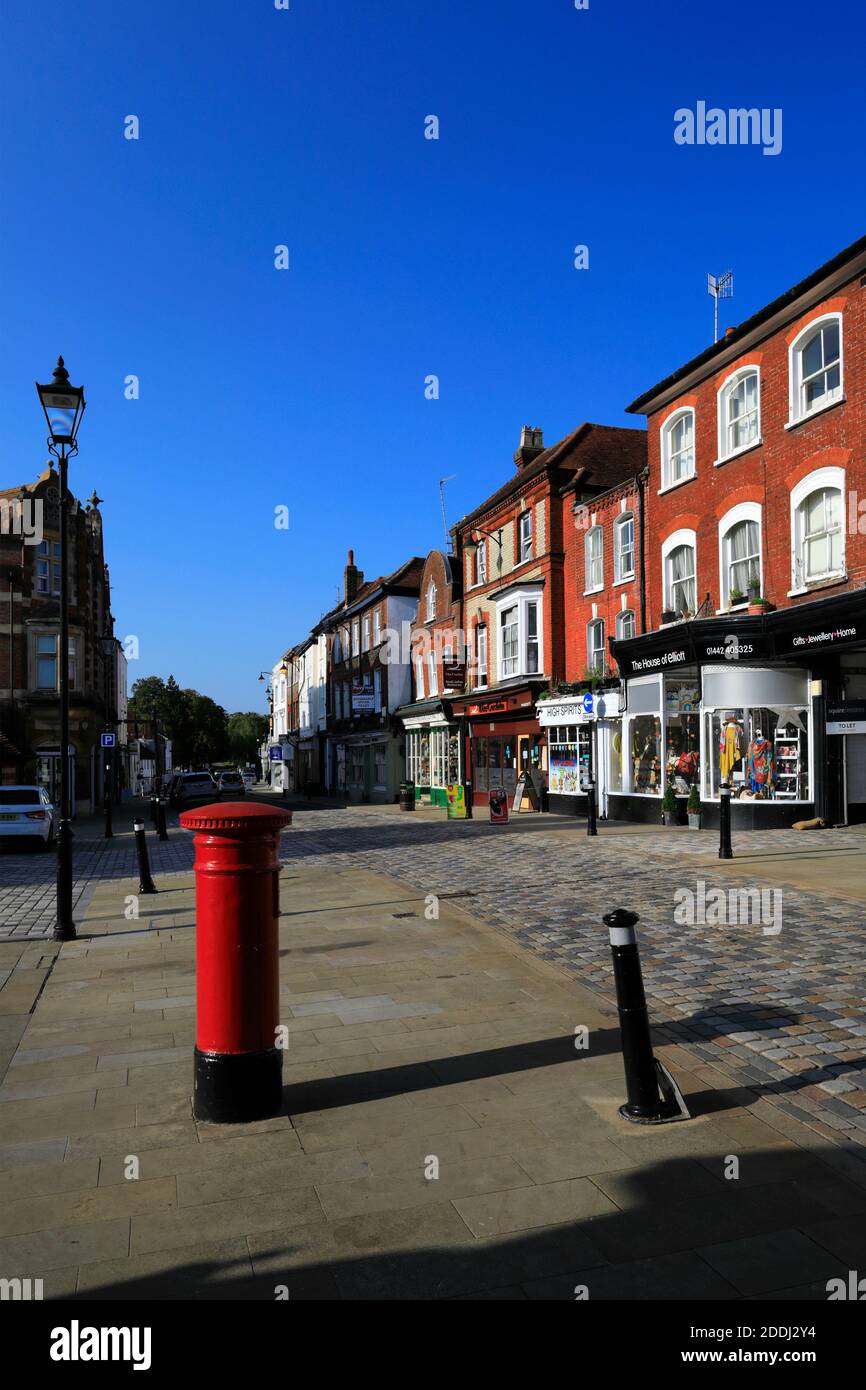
<point x="442" y="482"/>
<point x="720" y="287"/>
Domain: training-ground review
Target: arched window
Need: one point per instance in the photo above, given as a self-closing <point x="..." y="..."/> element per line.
<point x="679" y="573"/>
<point x="595" y="645"/>
<point x="739" y="412"/>
<point x="739" y="553"/>
<point x="678" y="447"/>
<point x="815" y="367"/>
<point x="817" y="527"/>
<point x="623" y="547"/>
<point x="625" y="624"/>
<point x="594" y="556"/>
<point x="431" y="601"/>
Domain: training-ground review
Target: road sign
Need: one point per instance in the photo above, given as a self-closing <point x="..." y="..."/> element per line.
<point x="275" y="754"/>
<point x="587" y="702"/>
<point x="109" y="740"/>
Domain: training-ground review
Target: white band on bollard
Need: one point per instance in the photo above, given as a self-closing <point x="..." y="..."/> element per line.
<point x="622" y="936"/>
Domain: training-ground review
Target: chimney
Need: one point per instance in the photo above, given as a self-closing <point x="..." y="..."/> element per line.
<point x="352" y="579"/>
<point x="531" y="445"/>
<point x="729" y="331"/>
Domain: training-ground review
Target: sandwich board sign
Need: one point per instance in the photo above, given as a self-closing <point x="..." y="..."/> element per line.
<point x="456" y="805"/>
<point x="498" y="806"/>
<point x="525" y="788"/>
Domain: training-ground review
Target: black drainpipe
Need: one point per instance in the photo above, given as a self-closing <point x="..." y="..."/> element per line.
<point x="641" y="511"/>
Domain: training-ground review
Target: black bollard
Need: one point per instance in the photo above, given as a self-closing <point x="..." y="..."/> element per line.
<point x="725" y="850"/>
<point x="161" y="832"/>
<point x="146" y="883"/>
<point x="106" y="798"/>
<point x="591" y="827"/>
<point x="653" y="1097"/>
<point x="154" y="802"/>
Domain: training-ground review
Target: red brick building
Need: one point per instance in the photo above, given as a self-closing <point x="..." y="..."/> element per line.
<point x="756" y="491"/>
<point x="518" y="606"/>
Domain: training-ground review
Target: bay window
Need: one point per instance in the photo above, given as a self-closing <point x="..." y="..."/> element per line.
<point x="508" y="641"/>
<point x="519" y="626"/>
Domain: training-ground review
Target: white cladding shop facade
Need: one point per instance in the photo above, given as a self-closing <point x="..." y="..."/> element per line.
<point x="582" y="738"/>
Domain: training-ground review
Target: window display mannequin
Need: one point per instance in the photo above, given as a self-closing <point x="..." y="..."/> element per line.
<point x="732" y="746"/>
<point x="761" y="766"/>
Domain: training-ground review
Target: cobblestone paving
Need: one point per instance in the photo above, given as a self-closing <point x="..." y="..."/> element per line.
<point x="784" y="1015"/>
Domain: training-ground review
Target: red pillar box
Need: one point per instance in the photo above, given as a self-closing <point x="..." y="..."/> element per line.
<point x="238" y="1067"/>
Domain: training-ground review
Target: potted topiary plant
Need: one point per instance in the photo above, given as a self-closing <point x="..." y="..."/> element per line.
<point x="694" y="807"/>
<point x="670" y="810"/>
<point x="757" y="604"/>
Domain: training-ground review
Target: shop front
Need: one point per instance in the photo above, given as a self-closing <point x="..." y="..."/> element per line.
<point x="433" y="754"/>
<point x="744" y="700"/>
<point x="582" y="741"/>
<point x="504" y="741"/>
<point x="367" y="767"/>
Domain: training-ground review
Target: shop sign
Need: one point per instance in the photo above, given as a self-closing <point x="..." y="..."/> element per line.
<point x="823" y="636"/>
<point x="455" y="793"/>
<point x="846" y="717"/>
<point x="491" y="707"/>
<point x="362" y="697"/>
<point x="454" y="674"/>
<point x="498" y="806"/>
<point x="675" y="656"/>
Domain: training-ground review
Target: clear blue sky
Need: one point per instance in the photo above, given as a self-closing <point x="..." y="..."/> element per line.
<point x="408" y="257"/>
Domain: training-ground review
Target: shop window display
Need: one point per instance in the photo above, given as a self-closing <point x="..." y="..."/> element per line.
<point x="682" y="734"/>
<point x="568" y="758"/>
<point x="763" y="752"/>
<point x="646" y="753"/>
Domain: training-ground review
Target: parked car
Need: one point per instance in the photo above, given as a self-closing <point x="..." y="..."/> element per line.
<point x="249" y="777"/>
<point x="189" y="787"/>
<point x="27" y="814"/>
<point x="231" y="784"/>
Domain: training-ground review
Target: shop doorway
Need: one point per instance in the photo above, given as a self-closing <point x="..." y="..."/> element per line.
<point x="48" y="776"/>
<point x="835" y="782"/>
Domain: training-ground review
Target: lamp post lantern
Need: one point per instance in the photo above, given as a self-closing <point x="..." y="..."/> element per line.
<point x="63" y="405"/>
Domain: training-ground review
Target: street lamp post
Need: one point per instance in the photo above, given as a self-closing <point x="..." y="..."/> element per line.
<point x="63" y="405"/>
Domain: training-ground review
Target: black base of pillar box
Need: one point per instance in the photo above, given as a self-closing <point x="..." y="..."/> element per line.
<point x="237" y="1087"/>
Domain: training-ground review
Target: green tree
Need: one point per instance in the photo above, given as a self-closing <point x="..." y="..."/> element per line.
<point x="246" y="732"/>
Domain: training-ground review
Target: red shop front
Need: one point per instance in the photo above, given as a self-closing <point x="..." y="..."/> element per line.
<point x="503" y="739"/>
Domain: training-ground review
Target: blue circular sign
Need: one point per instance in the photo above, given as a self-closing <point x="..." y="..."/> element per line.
<point x="587" y="702"/>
